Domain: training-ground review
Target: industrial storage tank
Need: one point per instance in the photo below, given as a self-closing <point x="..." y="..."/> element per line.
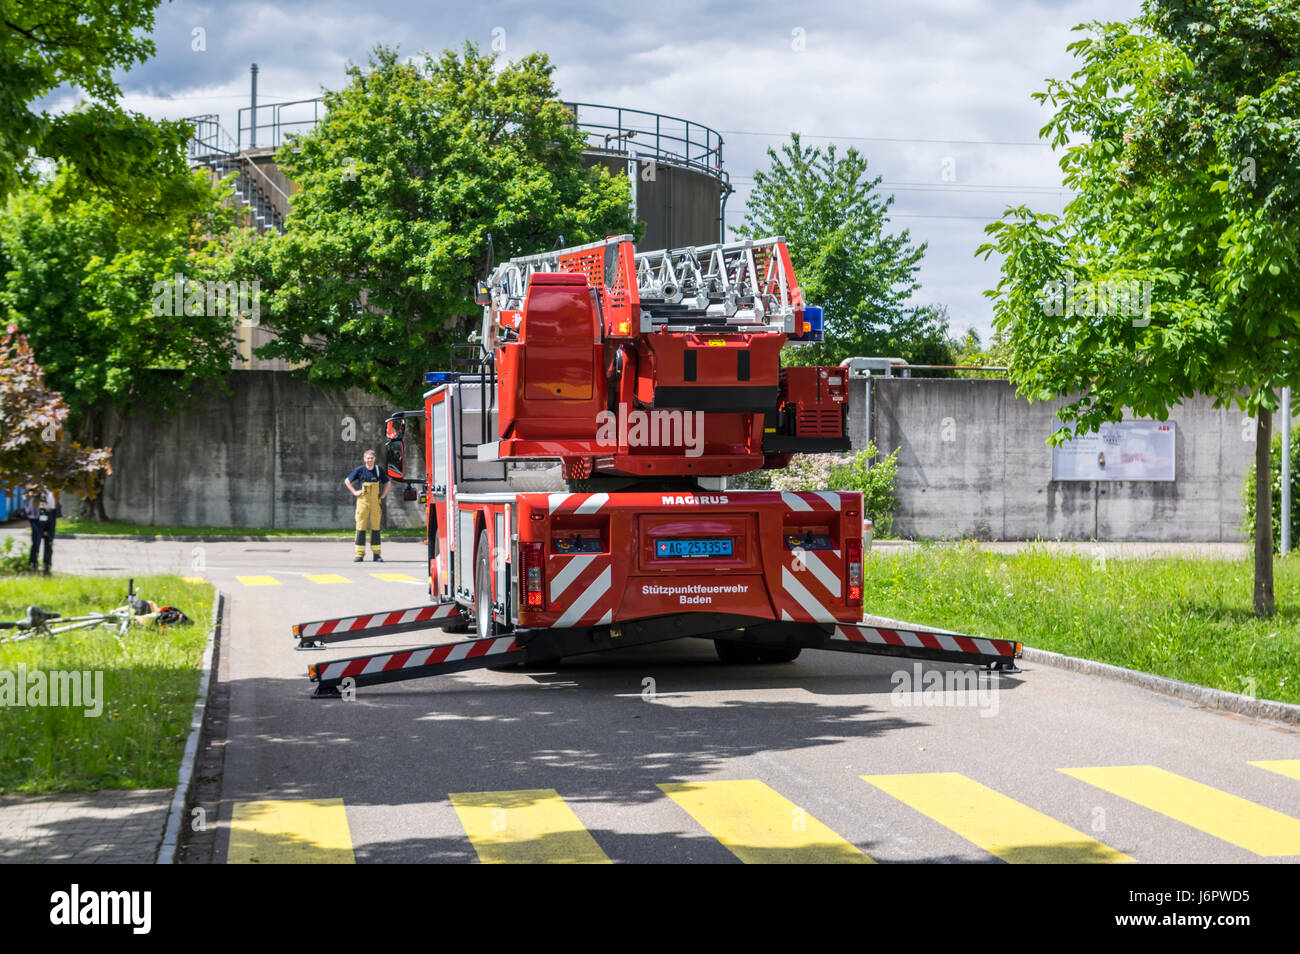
<point x="679" y="186"/>
<point x="674" y="165"/>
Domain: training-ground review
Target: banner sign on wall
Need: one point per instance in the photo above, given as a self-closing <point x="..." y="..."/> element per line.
<point x="1129" y="450"/>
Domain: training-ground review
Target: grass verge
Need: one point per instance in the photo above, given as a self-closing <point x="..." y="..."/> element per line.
<point x="1181" y="618"/>
<point x="149" y="688"/>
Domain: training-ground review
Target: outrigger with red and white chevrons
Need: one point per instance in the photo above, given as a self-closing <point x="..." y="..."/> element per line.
<point x="577" y="471"/>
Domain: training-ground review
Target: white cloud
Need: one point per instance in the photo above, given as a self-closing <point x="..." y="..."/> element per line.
<point x="920" y="70"/>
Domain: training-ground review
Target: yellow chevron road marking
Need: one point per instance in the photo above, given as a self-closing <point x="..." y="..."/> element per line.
<point x="760" y="826"/>
<point x="1235" y="820"/>
<point x="530" y="826"/>
<point x="997" y="823"/>
<point x="307" y="831"/>
<point x="1288" y="767"/>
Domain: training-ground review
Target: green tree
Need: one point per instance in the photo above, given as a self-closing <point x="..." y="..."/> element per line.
<point x="834" y="221"/>
<point x="1180" y="131"/>
<point x="92" y="285"/>
<point x="971" y="350"/>
<point x="1248" y="490"/>
<point x="415" y="164"/>
<point x="45" y="44"/>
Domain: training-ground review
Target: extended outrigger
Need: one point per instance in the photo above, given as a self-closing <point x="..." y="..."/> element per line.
<point x="547" y="645"/>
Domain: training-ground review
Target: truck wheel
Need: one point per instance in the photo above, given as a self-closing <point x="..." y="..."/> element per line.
<point x="487" y="625"/>
<point x="733" y="653"/>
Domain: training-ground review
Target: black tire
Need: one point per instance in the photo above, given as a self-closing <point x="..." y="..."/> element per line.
<point x="484" y="622"/>
<point x="737" y="654"/>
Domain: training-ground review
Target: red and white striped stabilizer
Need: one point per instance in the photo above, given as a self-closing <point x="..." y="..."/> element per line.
<point x="974" y="646"/>
<point x="374" y="624"/>
<point x="413" y="663"/>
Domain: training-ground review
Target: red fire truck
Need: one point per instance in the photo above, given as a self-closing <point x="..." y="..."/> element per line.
<point x="577" y="470"/>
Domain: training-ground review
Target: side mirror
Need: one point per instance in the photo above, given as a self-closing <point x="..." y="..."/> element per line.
<point x="410" y="493"/>
<point x="396" y="458"/>
<point x="395" y="427"/>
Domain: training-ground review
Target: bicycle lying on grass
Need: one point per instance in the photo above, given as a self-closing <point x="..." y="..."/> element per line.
<point x="137" y="611"/>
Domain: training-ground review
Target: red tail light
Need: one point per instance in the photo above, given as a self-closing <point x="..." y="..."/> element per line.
<point x="531" y="556"/>
<point x="853" y="569"/>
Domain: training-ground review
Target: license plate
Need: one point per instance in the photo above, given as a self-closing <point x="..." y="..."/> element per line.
<point x="693" y="547"/>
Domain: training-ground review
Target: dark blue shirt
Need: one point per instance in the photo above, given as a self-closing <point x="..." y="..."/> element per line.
<point x="367" y="475"/>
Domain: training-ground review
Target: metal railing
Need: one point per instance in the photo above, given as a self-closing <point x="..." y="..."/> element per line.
<point x="210" y="137"/>
<point x="650" y="135"/>
<point x="615" y="129"/>
<point x="213" y="148"/>
<point x="267" y="126"/>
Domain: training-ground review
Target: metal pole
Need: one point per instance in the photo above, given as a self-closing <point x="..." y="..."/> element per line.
<point x="866" y="406"/>
<point x="634" y="172"/>
<point x="1286" y="471"/>
<point x="252" y="132"/>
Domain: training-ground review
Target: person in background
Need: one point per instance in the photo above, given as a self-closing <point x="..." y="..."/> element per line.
<point x="372" y="487"/>
<point x="42" y="511"/>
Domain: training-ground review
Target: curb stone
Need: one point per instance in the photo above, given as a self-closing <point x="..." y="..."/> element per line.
<point x="1205" y="696"/>
<point x="185" y="779"/>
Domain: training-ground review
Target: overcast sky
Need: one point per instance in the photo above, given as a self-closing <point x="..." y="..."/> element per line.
<point x="920" y="87"/>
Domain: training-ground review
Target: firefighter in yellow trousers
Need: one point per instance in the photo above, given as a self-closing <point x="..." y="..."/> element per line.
<point x="369" y="484"/>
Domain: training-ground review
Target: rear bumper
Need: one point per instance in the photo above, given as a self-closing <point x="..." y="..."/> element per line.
<point x="788" y="561"/>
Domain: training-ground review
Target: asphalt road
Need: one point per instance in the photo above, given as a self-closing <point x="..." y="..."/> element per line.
<point x="662" y="754"/>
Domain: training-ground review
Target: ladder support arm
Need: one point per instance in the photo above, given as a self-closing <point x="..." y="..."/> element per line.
<point x="315" y="635"/>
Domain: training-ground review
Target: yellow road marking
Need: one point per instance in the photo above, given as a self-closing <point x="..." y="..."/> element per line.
<point x="193" y="579"/>
<point x="530" y="826"/>
<point x="258" y="580"/>
<point x="1288" y="767"/>
<point x="309" y="831"/>
<point x="997" y="823"/>
<point x="1235" y="820"/>
<point x="760" y="826"/>
<point x="397" y="578"/>
<point x="327" y="578"/>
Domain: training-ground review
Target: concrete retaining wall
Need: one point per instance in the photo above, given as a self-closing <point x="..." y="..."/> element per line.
<point x="271" y="454"/>
<point x="972" y="462"/>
